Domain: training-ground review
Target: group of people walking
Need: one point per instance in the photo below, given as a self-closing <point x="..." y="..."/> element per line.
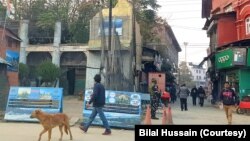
<point x="227" y="98"/>
<point x="195" y="93"/>
<point x="198" y="93"/>
<point x="183" y="93"/>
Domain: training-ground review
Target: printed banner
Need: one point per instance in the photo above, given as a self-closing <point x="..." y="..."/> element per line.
<point x="23" y="100"/>
<point x="117" y="23"/>
<point x="12" y="57"/>
<point x="122" y="109"/>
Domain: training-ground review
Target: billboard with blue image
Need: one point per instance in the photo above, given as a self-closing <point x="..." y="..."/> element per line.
<point x="12" y="57"/>
<point x="117" y="23"/>
<point x="122" y="109"/>
<point x="23" y="100"/>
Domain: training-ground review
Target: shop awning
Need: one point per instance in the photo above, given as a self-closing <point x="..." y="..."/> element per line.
<point x="206" y="58"/>
<point x="14" y="37"/>
<point x="239" y="43"/>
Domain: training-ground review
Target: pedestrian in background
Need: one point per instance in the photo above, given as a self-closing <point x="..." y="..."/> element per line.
<point x="98" y="99"/>
<point x="165" y="98"/>
<point x="172" y="92"/>
<point x="194" y="94"/>
<point x="227" y="98"/>
<point x="183" y="94"/>
<point x="202" y="95"/>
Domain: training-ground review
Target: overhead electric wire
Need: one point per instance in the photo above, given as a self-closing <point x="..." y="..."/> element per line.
<point x="186" y="27"/>
<point x="184" y="11"/>
<point x="177" y="0"/>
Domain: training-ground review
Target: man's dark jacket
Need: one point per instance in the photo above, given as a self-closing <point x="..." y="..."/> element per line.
<point x="227" y="96"/>
<point x="98" y="96"/>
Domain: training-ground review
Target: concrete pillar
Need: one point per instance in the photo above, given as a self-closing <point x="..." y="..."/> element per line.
<point x="57" y="34"/>
<point x="56" y="56"/>
<point x="23" y="34"/>
<point x="56" y="44"/>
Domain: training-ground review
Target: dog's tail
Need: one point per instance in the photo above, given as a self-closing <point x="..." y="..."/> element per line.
<point x="66" y="129"/>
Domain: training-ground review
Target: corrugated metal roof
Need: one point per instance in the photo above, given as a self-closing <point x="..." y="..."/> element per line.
<point x="2" y="61"/>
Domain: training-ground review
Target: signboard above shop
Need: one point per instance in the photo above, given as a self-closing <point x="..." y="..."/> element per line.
<point x="230" y="58"/>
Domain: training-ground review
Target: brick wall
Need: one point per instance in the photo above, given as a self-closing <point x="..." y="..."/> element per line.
<point x="9" y="43"/>
<point x="13" y="78"/>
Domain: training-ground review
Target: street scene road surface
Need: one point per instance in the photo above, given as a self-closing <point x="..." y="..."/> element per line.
<point x="210" y="115"/>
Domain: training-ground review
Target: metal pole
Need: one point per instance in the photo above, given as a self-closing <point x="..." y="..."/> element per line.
<point x="135" y="82"/>
<point x="108" y="74"/>
<point x="185" y="44"/>
<point x="179" y="76"/>
<point x="110" y="24"/>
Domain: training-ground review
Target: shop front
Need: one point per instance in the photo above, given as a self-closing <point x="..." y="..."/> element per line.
<point x="233" y="66"/>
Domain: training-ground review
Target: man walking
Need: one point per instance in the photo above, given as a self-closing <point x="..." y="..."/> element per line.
<point x="183" y="94"/>
<point x="202" y="95"/>
<point x="98" y="99"/>
<point x="227" y="96"/>
<point x="194" y="93"/>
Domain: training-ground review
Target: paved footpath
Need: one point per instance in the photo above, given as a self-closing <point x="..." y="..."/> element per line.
<point x="18" y="131"/>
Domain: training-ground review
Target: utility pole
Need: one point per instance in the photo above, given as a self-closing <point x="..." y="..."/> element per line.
<point x="135" y="82"/>
<point x="109" y="46"/>
<point x="110" y="24"/>
<point x="185" y="44"/>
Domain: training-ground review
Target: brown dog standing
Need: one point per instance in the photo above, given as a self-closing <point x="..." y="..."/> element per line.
<point x="50" y="121"/>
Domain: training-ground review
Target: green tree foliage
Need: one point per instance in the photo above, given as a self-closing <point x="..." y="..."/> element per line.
<point x="48" y="71"/>
<point x="23" y="70"/>
<point x="2" y="12"/>
<point x="185" y="75"/>
<point x="145" y="11"/>
<point x="75" y="16"/>
<point x="106" y="3"/>
<point x="79" y="29"/>
<point x="42" y="15"/>
<point x="23" y="74"/>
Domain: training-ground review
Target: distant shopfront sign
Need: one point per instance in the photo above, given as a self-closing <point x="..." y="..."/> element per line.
<point x="224" y="59"/>
<point x="230" y="57"/>
<point x="239" y="56"/>
<point x="248" y="57"/>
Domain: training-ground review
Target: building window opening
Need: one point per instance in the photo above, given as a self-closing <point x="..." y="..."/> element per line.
<point x="248" y="26"/>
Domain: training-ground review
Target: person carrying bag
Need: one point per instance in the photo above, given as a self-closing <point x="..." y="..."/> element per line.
<point x="165" y="98"/>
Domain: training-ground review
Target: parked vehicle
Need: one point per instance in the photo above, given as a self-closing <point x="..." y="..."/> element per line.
<point x="244" y="105"/>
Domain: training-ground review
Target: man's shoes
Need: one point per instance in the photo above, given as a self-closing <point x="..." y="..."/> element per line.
<point x="107" y="132"/>
<point x="154" y="118"/>
<point x="83" y="129"/>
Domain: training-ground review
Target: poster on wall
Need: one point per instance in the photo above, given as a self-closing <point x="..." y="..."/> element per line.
<point x="12" y="57"/>
<point x="239" y="56"/>
<point x="117" y="23"/>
